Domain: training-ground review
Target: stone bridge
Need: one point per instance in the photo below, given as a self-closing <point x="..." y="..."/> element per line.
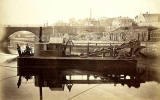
<point x="5" y="32"/>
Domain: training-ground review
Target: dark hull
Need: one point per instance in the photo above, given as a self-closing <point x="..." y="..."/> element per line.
<point x="107" y="65"/>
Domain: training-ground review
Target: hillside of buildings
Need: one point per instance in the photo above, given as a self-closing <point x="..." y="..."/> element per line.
<point x="144" y="27"/>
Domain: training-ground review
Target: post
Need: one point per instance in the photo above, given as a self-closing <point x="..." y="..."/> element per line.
<point x="88" y="78"/>
<point x="88" y="49"/>
<point x="40" y="91"/>
<point x="70" y="49"/>
<point x="19" y="81"/>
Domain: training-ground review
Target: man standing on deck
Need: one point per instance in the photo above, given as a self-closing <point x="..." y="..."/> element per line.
<point x="28" y="50"/>
<point x="19" y="50"/>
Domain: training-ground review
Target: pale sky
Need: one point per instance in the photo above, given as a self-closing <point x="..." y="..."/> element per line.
<point x="41" y="11"/>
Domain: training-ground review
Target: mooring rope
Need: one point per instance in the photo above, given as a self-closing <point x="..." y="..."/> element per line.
<point x="82" y="92"/>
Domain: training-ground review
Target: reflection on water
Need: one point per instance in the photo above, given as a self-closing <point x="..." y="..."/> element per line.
<point x="144" y="85"/>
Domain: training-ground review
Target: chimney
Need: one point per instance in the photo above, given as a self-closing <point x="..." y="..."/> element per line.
<point x="40" y="35"/>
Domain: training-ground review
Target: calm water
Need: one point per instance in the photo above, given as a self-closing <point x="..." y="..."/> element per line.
<point x="149" y="90"/>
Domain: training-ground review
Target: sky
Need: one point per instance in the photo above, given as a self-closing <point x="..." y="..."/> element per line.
<point x="17" y="12"/>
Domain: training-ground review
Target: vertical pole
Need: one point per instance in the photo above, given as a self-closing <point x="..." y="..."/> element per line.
<point x="19" y="81"/>
<point x="69" y="77"/>
<point x="40" y="91"/>
<point x="70" y="49"/>
<point x="88" y="49"/>
<point x="88" y="78"/>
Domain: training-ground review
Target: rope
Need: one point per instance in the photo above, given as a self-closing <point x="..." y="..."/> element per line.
<point x="8" y="78"/>
<point x="82" y="92"/>
<point x="11" y="70"/>
<point x="8" y="66"/>
<point x="7" y="54"/>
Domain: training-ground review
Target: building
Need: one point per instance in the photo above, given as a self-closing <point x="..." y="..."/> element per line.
<point x="72" y="31"/>
<point x="122" y="22"/>
<point x="148" y="20"/>
<point x="129" y="33"/>
<point x="106" y="23"/>
<point x="111" y="24"/>
<point x="21" y="38"/>
<point x="155" y="35"/>
<point x="59" y="31"/>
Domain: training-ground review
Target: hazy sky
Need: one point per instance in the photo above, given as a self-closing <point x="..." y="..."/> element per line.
<point x="39" y="11"/>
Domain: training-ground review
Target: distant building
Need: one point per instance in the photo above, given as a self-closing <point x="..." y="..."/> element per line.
<point x="155" y="35"/>
<point x="111" y="24"/>
<point x="97" y="29"/>
<point x="22" y="39"/>
<point x="129" y="33"/>
<point x="93" y="22"/>
<point x="59" y="31"/>
<point x="148" y="20"/>
<point x="122" y="22"/>
<point x="106" y="23"/>
<point x="84" y="22"/>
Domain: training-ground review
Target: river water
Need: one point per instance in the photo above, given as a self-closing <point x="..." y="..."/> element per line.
<point x="149" y="90"/>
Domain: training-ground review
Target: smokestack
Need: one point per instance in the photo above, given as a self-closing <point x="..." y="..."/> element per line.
<point x="40" y="35"/>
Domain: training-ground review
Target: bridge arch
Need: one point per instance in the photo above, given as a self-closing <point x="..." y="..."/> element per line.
<point x="22" y="38"/>
<point x="12" y="30"/>
<point x="5" y="32"/>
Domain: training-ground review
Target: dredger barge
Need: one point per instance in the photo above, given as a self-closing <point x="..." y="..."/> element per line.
<point x="52" y="62"/>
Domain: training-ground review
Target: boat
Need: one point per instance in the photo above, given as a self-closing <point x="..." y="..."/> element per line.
<point x="51" y="63"/>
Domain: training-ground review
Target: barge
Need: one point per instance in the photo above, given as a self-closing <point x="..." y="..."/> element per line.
<point x="51" y="61"/>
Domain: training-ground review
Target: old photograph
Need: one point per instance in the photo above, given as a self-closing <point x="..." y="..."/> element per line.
<point x="79" y="50"/>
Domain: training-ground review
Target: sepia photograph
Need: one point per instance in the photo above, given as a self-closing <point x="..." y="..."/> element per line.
<point x="79" y="50"/>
